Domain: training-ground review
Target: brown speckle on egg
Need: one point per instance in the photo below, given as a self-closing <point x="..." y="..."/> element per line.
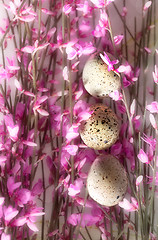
<point x="107" y="180"/>
<point x="102" y="128"/>
<point x="97" y="80"/>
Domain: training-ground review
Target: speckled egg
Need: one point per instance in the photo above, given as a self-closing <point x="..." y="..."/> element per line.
<point x="97" y="80"/>
<point x="101" y="130"/>
<point x="107" y="180"/>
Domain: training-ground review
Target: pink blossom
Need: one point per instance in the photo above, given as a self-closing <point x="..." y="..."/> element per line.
<point x="22" y="197"/>
<point x="124" y="12"/>
<point x="41" y="100"/>
<point x="139" y="180"/>
<point x="9" y="213"/>
<point x="46" y="11"/>
<point x="153" y="237"/>
<point x="37" y="188"/>
<point x="147" y="5"/>
<point x="151" y="141"/>
<point x="71" y="149"/>
<point x="75" y="188"/>
<point x="71" y="52"/>
<point x="155" y="75"/>
<point x="126" y="69"/>
<point x="29" y="143"/>
<point x="29" y="219"/>
<point x="66" y="74"/>
<point x="5" y="236"/>
<point x="125" y="204"/>
<point x="137" y="122"/>
<point x="18" y="85"/>
<point x="33" y="49"/>
<point x="12" y="65"/>
<point x="3" y="159"/>
<point x="2" y="199"/>
<point x="80" y="164"/>
<point x="88" y="49"/>
<point x="28" y="49"/>
<point x="87" y="219"/>
<point x="102" y="26"/>
<point x="51" y="33"/>
<point x="116" y="95"/>
<point x="153" y="121"/>
<point x="85" y="8"/>
<point x="84" y="115"/>
<point x="116" y="149"/>
<point x="110" y="64"/>
<point x="151" y="179"/>
<point x="42" y="112"/>
<point x="118" y="39"/>
<point x="98" y="3"/>
<point x="126" y="83"/>
<point x="121" y="107"/>
<point x="29" y="94"/>
<point x="153" y="107"/>
<point x="132" y="107"/>
<point x="67" y="9"/>
<point x="12" y="186"/>
<point x="13" y="132"/>
<point x="147" y="50"/>
<point x="74" y="219"/>
<point x="143" y="157"/>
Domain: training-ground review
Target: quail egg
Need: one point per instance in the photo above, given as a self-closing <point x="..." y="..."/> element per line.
<point x="97" y="80"/>
<point x="101" y="130"/>
<point x="107" y="180"/>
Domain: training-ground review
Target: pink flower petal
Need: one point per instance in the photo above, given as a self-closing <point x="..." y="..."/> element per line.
<point x="27" y="18"/>
<point x="9" y="213"/>
<point x="32" y="226"/>
<point x="71" y="52"/>
<point x="11" y="185"/>
<point x="118" y="39"/>
<point x="132" y="107"/>
<point x="98" y="3"/>
<point x="116" y="95"/>
<point x="71" y="149"/>
<point x="75" y="188"/>
<point x="139" y="180"/>
<point x="155" y="75"/>
<point x="42" y="112"/>
<point x="74" y="219"/>
<point x="20" y="221"/>
<point x="3" y="159"/>
<point x="116" y="149"/>
<point x="153" y="121"/>
<point x="153" y="107"/>
<point x="41" y="99"/>
<point x="37" y="214"/>
<point x="18" y="85"/>
<point x="13" y="132"/>
<point x="65" y="73"/>
<point x="127" y="205"/>
<point x="37" y="188"/>
<point x="5" y="236"/>
<point x="67" y="9"/>
<point x="147" y="5"/>
<point x="2" y="199"/>
<point x="29" y="143"/>
<point x="29" y="94"/>
<point x="143" y="156"/>
<point x="28" y="49"/>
